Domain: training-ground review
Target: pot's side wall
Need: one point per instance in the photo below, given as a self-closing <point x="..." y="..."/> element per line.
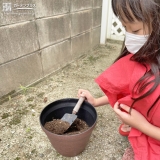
<point x="38" y="41"/>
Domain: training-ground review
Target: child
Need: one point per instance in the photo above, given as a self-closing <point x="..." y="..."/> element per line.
<point x="132" y="84"/>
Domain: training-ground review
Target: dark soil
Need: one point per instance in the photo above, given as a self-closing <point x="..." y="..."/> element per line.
<point x="60" y="127"/>
<point x="57" y="126"/>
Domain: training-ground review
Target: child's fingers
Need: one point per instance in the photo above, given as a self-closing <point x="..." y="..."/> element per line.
<point x="117" y="108"/>
<point x="82" y="93"/>
<point x="116" y="105"/>
<point x="121" y="109"/>
<point x="124" y="107"/>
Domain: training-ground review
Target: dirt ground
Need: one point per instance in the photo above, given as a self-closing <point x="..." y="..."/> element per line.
<point x="21" y="136"/>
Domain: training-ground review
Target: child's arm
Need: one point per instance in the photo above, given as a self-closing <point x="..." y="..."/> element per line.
<point x="151" y="130"/>
<point x="137" y="120"/>
<point x="101" y="101"/>
<point x="94" y="101"/>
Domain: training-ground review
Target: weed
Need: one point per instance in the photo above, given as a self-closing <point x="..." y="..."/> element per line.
<point x="40" y="95"/>
<point x="9" y="98"/>
<point x="29" y="137"/>
<point x="24" y="89"/>
<point x="17" y="116"/>
<point x="32" y="105"/>
<point x="16" y="120"/>
<point x="5" y="115"/>
<point x="22" y="111"/>
<point x="33" y="151"/>
<point x="30" y="99"/>
<point x="28" y="130"/>
<point x="92" y="59"/>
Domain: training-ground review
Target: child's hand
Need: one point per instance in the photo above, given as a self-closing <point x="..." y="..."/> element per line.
<point x="87" y="95"/>
<point x="135" y="119"/>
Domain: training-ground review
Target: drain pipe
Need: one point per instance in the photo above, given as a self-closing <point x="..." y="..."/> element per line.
<point x="104" y="18"/>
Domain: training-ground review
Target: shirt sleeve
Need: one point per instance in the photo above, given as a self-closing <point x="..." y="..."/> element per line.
<point x="115" y="80"/>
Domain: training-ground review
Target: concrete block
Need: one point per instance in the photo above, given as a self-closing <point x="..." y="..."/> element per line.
<point x="77" y="5"/>
<point x="81" y="22"/>
<point x="10" y="12"/>
<point x="56" y="57"/>
<point x="96" y="17"/>
<point x="97" y="3"/>
<point x="53" y="30"/>
<point x="45" y="8"/>
<point x="22" y="71"/>
<point x="96" y="36"/>
<point x="6" y="52"/>
<point x="17" y="40"/>
<point x="81" y="44"/>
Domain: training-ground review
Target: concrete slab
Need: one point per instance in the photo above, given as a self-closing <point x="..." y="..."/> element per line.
<point x="53" y="30"/>
<point x="96" y="36"/>
<point x="54" y="57"/>
<point x="23" y="71"/>
<point x="96" y="17"/>
<point x="17" y="40"/>
<point x="80" y="44"/>
<point x="51" y="7"/>
<point x="97" y="3"/>
<point x="81" y="22"/>
<point x="77" y="5"/>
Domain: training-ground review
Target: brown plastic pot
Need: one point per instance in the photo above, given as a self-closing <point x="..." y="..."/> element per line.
<point x="69" y="145"/>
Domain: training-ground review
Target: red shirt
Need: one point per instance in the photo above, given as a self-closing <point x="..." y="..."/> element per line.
<point x="117" y="83"/>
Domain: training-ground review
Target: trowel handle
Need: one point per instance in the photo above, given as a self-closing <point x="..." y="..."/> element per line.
<point x="78" y="105"/>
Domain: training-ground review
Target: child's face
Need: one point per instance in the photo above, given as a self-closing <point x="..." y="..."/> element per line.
<point x="136" y="27"/>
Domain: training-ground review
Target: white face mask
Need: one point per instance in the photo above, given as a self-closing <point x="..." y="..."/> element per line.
<point x="134" y="42"/>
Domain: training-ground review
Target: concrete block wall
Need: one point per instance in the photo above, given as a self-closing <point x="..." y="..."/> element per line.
<point x="36" y="42"/>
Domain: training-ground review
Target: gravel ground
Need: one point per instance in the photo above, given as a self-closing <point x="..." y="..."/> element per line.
<point x="21" y="137"/>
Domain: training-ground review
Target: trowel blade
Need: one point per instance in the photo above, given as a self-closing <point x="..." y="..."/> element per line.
<point x="70" y="118"/>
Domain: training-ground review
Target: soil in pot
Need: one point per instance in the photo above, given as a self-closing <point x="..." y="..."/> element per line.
<point x="60" y="127"/>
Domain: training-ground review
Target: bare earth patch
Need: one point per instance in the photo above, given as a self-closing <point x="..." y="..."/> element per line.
<point x="21" y="136"/>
